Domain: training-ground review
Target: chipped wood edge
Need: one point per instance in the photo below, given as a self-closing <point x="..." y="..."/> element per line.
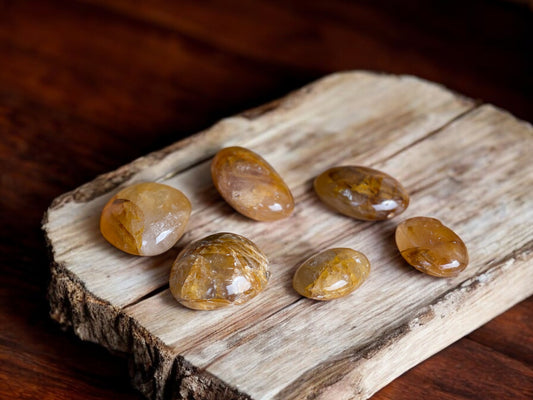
<point x="155" y="370"/>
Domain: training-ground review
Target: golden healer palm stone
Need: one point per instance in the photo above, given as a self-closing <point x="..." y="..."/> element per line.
<point x="250" y="185"/>
<point x="218" y="270"/>
<point x="145" y="219"/>
<point x="361" y="192"/>
<point x="331" y="274"/>
<point x="431" y="247"/>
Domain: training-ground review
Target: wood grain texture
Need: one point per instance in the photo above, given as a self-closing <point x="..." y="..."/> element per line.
<point x="448" y="152"/>
<point x="88" y="86"/>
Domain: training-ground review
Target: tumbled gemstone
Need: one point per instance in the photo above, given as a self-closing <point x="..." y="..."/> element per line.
<point x="250" y="185"/>
<point x="431" y="247"/>
<point x="362" y="193"/>
<point x="218" y="270"/>
<point x="331" y="274"/>
<point x="145" y="219"/>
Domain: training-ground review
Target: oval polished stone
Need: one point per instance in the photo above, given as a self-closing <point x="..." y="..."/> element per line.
<point x="331" y="274"/>
<point x="218" y="270"/>
<point x="361" y="193"/>
<point x="431" y="247"/>
<point x="145" y="219"/>
<point x="250" y="185"/>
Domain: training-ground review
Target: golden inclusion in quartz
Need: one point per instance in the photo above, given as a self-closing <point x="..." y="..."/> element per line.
<point x="361" y="192"/>
<point x="331" y="274"/>
<point x="218" y="270"/>
<point x="145" y="219"/>
<point x="431" y="247"/>
<point x="250" y="185"/>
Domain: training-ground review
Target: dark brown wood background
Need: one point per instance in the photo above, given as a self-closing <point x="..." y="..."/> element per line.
<point x="86" y="86"/>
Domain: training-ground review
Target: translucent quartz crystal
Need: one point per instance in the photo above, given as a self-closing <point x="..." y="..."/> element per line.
<point x="219" y="270"/>
<point x="431" y="247"/>
<point x="145" y="219"/>
<point x="361" y="193"/>
<point x="331" y="274"/>
<point x="250" y="185"/>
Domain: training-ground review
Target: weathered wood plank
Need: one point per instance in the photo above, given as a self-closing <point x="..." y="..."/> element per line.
<point x="465" y="164"/>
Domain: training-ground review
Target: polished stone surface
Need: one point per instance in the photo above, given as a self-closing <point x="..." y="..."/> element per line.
<point x="361" y="192"/>
<point x="331" y="274"/>
<point x="250" y="185"/>
<point x="431" y="247"/>
<point x="145" y="219"/>
<point x="217" y="271"/>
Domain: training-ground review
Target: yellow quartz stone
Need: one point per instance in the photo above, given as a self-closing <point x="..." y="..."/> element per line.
<point x="217" y="271"/>
<point x="361" y="192"/>
<point x="250" y="185"/>
<point x="331" y="274"/>
<point x="431" y="247"/>
<point x="145" y="219"/>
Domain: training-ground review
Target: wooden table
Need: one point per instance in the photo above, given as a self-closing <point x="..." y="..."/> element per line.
<point x="87" y="86"/>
